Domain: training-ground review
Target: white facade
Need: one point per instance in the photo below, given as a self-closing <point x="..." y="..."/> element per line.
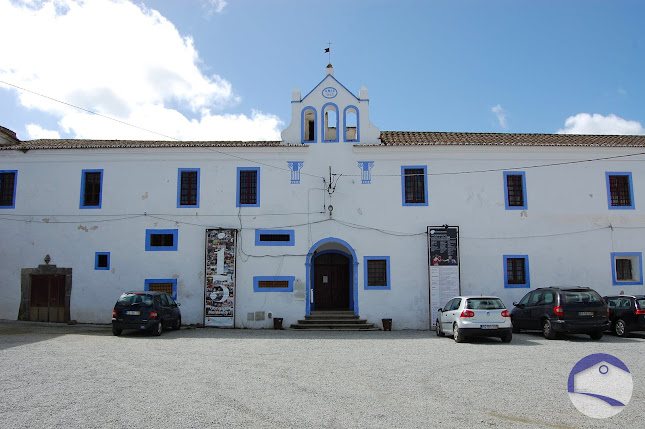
<point x="568" y="233"/>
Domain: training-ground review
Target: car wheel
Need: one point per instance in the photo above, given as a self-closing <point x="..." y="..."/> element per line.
<point x="516" y="329"/>
<point x="156" y="330"/>
<point x="457" y="334"/>
<point x="547" y="330"/>
<point x="596" y="335"/>
<point x="177" y="324"/>
<point x="507" y="338"/>
<point x="439" y="331"/>
<point x="116" y="331"/>
<point x="619" y="328"/>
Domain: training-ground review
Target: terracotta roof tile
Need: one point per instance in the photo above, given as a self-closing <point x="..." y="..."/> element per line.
<point x="114" y="144"/>
<point x="407" y="138"/>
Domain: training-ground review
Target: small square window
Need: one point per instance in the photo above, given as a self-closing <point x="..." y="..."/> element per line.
<point x="8" y="189"/>
<point x="91" y="187"/>
<point x="627" y="268"/>
<point x="620" y="194"/>
<point x="515" y="190"/>
<point x="414" y="183"/>
<point x="161" y="239"/>
<point x="102" y="261"/>
<point x="188" y="187"/>
<point x="516" y="271"/>
<point x="168" y="286"/>
<point x="377" y="272"/>
<point x="248" y="187"/>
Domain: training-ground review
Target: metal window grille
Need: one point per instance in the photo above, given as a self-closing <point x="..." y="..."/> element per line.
<point x="273" y="284"/>
<point x="161" y="287"/>
<point x="275" y="237"/>
<point x="102" y="261"/>
<point x="624" y="269"/>
<point x="377" y="272"/>
<point x="619" y="190"/>
<point x="92" y="196"/>
<point x="248" y="187"/>
<point x="188" y="192"/>
<point x="7" y="185"/>
<point x="414" y="185"/>
<point x="515" y="271"/>
<point x="515" y="187"/>
<point x="161" y="240"/>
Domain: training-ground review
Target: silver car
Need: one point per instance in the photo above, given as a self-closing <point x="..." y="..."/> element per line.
<point x="475" y="316"/>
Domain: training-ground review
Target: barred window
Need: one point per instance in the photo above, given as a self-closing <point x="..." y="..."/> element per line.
<point x="248" y="187"/>
<point x="619" y="191"/>
<point x="377" y="272"/>
<point x="161" y="240"/>
<point x="188" y="187"/>
<point x="7" y="188"/>
<point x="92" y="188"/>
<point x="161" y="287"/>
<point x="414" y="185"/>
<point x="624" y="269"/>
<point x="273" y="284"/>
<point x="515" y="271"/>
<point x="515" y="190"/>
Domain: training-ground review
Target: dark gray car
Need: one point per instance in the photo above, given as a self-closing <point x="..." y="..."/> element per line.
<point x="148" y="310"/>
<point x="567" y="310"/>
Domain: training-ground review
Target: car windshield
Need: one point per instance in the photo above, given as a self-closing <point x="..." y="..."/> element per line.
<point x="484" y="304"/>
<point x="135" y="298"/>
<point x="581" y="297"/>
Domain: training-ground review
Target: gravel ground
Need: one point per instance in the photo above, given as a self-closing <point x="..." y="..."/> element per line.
<point x="80" y="376"/>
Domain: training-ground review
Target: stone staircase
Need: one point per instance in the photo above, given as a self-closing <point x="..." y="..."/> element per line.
<point x="338" y="320"/>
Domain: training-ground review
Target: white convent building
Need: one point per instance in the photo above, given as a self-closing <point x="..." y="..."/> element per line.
<point x="339" y="215"/>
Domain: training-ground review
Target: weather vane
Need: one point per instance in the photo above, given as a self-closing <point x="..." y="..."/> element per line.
<point x="328" y="51"/>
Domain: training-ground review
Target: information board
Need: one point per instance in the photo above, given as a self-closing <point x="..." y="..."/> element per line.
<point x="443" y="266"/>
<point x="219" y="290"/>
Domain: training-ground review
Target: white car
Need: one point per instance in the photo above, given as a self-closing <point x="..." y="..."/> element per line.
<point x="470" y="316"/>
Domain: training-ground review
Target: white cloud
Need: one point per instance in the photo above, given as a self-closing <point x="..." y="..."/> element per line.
<point x="584" y="123"/>
<point x="121" y="60"/>
<point x="37" y="132"/>
<point x="215" y="5"/>
<point x="501" y="115"/>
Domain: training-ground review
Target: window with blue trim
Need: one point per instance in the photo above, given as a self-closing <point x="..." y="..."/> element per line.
<point x="168" y="286"/>
<point x="161" y="240"/>
<point x="188" y="187"/>
<point x="8" y="189"/>
<point x="620" y="194"/>
<point x="91" y="189"/>
<point x="273" y="283"/>
<point x="627" y="268"/>
<point x="102" y="261"/>
<point x="414" y="185"/>
<point x="376" y="270"/>
<point x="515" y="190"/>
<point x="275" y="237"/>
<point x="248" y="187"/>
<point x="516" y="271"/>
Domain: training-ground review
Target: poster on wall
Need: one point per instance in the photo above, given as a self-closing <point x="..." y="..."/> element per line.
<point x="443" y="267"/>
<point x="219" y="290"/>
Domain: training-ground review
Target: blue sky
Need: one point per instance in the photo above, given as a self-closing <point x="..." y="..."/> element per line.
<point x="224" y="70"/>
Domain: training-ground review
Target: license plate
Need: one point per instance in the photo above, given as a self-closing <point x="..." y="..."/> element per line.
<point x="585" y="313"/>
<point x="490" y="326"/>
<point x="132" y="313"/>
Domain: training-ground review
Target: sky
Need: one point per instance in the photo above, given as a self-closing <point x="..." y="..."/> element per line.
<point x="225" y="69"/>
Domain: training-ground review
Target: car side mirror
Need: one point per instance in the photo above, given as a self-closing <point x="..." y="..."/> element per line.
<point x="440" y="310"/>
<point x="518" y="305"/>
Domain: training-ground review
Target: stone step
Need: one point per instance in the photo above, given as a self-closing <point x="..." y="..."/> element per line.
<point x="341" y="320"/>
<point x="336" y="326"/>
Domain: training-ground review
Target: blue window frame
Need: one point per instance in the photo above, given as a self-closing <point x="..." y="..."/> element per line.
<point x="159" y="240"/>
<point x="91" y="189"/>
<point x="273" y="283"/>
<point x="376" y="270"/>
<point x="102" y="261"/>
<point x="8" y="181"/>
<point x="414" y="185"/>
<point x="515" y="190"/>
<point x="275" y="237"/>
<point x="620" y="193"/>
<point x="162" y="285"/>
<point x="248" y="187"/>
<point x="627" y="268"/>
<point x="188" y="187"/>
<point x="516" y="271"/>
